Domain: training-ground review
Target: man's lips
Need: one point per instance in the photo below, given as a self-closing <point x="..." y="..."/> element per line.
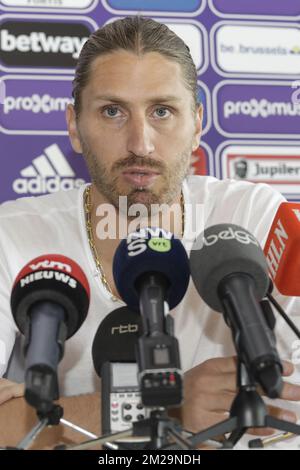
<point x="139" y="176"/>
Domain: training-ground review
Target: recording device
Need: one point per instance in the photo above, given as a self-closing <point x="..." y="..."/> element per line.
<point x="229" y="271"/>
<point x="151" y="272"/>
<point x="49" y="303"/>
<point x="282" y="249"/>
<point x="113" y="353"/>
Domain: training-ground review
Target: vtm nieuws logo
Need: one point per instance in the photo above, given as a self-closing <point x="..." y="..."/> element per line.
<point x="48" y="173"/>
<point x="40" y="44"/>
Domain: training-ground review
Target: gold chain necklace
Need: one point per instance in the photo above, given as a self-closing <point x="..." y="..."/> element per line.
<point x="88" y="222"/>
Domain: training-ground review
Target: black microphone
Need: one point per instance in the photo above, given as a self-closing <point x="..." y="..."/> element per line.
<point x="230" y="273"/>
<point x="114" y="359"/>
<point x="151" y="270"/>
<point x="49" y="303"/>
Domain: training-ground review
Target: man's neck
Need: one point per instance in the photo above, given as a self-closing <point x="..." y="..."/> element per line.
<point x="110" y="229"/>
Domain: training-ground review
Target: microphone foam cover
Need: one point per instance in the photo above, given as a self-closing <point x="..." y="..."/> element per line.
<point x="51" y="278"/>
<point x="151" y="250"/>
<point x="116" y="338"/>
<point x="222" y="250"/>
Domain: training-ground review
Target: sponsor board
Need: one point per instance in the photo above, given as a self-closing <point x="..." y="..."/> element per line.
<point x="35" y="104"/>
<point x="2" y="90"/>
<point x="247" y="49"/>
<point x="42" y="43"/>
<point x="40" y="166"/>
<point x="202" y="160"/>
<point x="205" y="100"/>
<point x="174" y="7"/>
<point x="255" y="108"/>
<point x="274" y="163"/>
<point x="193" y="34"/>
<point x="72" y="6"/>
<point x="289" y="9"/>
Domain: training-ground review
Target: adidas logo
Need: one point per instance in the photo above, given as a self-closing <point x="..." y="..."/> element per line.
<point x="49" y="173"/>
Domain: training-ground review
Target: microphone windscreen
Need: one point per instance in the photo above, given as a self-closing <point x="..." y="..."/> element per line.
<point x="282" y="249"/>
<point x="51" y="278"/>
<point x="222" y="250"/>
<point x="151" y="250"/>
<point x="116" y="338"/>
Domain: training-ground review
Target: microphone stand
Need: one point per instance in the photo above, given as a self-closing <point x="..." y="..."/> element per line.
<point x="50" y="418"/>
<point x="159" y="427"/>
<point x="248" y="409"/>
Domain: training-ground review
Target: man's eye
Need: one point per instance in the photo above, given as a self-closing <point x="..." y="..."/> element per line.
<point x="111" y="111"/>
<point x="162" y="112"/>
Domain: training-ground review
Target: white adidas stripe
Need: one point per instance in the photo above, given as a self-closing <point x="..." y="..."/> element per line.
<point x="29" y="172"/>
<point x="59" y="161"/>
<point x="43" y="166"/>
<point x="55" y="165"/>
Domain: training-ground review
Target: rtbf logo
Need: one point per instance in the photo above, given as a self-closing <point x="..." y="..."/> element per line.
<point x="41" y="44"/>
<point x="48" y="173"/>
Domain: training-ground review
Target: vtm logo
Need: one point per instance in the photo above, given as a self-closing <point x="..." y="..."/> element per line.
<point x="48" y="173"/>
<point x="41" y="44"/>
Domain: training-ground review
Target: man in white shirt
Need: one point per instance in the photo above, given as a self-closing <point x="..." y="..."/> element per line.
<point x="136" y="121"/>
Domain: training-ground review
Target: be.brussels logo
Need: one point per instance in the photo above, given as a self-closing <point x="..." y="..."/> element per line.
<point x="47" y="173"/>
<point x="52" y="5"/>
<point x="41" y="44"/>
<point x="247" y="49"/>
<point x="187" y="7"/>
<point x="277" y="164"/>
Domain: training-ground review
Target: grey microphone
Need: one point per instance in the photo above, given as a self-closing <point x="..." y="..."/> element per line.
<point x="230" y="273"/>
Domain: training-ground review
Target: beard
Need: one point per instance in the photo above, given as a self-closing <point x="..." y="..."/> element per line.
<point x="107" y="181"/>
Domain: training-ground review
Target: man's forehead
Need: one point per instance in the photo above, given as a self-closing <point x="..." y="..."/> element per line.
<point x="151" y="72"/>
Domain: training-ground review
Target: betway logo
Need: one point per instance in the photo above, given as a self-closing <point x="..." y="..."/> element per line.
<point x="47" y="264"/>
<point x="39" y="41"/>
<point x="49" y="173"/>
<point x="230" y="234"/>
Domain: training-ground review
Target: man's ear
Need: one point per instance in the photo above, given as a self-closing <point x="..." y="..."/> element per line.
<point x="72" y="128"/>
<point x="198" y="126"/>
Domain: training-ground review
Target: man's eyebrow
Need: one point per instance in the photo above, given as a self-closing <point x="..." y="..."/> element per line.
<point x="154" y="99"/>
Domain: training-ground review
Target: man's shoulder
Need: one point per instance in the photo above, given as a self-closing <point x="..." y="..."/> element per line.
<point x="40" y="205"/>
<point x="202" y="186"/>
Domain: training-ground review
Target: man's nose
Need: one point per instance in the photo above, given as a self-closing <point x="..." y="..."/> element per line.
<point x="140" y="141"/>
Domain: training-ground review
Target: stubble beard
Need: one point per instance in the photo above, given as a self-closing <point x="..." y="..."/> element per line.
<point x="107" y="185"/>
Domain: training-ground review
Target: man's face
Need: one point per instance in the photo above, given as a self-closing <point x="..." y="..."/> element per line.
<point x="137" y="127"/>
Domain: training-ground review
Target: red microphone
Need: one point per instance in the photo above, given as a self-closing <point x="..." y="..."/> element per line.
<point x="282" y="249"/>
<point x="49" y="303"/>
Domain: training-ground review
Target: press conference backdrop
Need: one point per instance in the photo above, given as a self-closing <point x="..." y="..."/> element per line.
<point x="247" y="55"/>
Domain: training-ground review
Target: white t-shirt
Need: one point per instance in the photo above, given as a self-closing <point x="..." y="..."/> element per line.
<point x="55" y="223"/>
